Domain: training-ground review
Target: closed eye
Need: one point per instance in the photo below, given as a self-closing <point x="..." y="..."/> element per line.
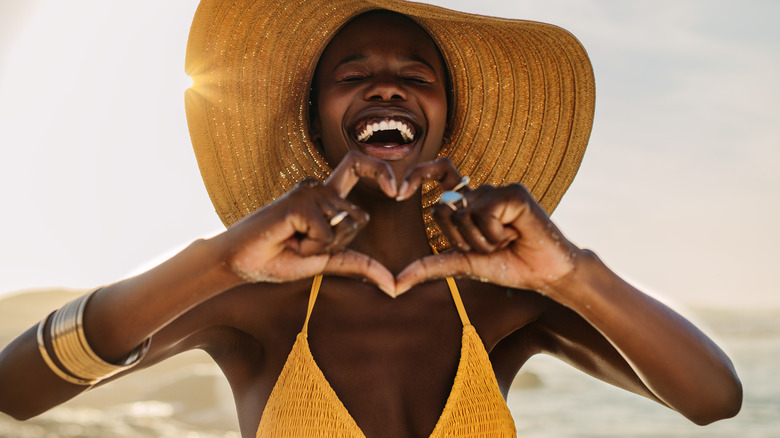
<point x="417" y="79"/>
<point x="352" y="78"/>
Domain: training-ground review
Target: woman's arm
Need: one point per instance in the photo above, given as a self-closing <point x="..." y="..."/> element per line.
<point x="289" y="239"/>
<point x="117" y="319"/>
<point x="617" y="333"/>
<point x="506" y="238"/>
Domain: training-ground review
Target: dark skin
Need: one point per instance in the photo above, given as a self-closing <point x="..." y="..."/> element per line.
<point x="389" y="346"/>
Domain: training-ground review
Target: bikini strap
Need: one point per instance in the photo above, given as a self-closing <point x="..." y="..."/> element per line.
<point x="464" y="318"/>
<point x="315" y="289"/>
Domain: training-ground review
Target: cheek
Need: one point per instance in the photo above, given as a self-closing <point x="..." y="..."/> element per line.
<point x="330" y="117"/>
<point x="437" y="113"/>
<point x="331" y="110"/>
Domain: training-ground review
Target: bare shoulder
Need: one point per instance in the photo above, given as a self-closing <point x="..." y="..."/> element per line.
<point x="239" y="326"/>
<point x="497" y="312"/>
<point x="517" y="324"/>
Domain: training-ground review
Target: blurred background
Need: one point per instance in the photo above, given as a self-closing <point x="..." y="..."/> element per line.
<point x="679" y="190"/>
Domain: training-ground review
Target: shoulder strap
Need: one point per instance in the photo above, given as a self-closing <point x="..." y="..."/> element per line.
<point x="464" y="317"/>
<point x="315" y="289"/>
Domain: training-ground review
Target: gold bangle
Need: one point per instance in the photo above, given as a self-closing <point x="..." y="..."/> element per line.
<point x="50" y="363"/>
<point x="71" y="348"/>
<point x="65" y="343"/>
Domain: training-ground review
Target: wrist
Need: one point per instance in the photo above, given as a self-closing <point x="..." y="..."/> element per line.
<point x="578" y="286"/>
<point x="216" y="256"/>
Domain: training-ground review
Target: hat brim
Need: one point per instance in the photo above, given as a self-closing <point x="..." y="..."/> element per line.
<point x="522" y="98"/>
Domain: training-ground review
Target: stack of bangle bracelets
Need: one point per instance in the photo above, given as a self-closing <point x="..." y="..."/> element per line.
<point x="78" y="363"/>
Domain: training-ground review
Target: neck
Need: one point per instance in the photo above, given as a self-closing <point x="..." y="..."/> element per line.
<point x="395" y="235"/>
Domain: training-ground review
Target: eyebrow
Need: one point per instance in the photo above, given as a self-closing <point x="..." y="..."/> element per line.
<point x="351" y="58"/>
<point x="413" y="58"/>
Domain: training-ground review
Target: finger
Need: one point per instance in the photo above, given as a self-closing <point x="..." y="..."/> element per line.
<point x="345" y="220"/>
<point x="521" y="213"/>
<point x="354" y="212"/>
<point x="355" y="166"/>
<point x="441" y="170"/>
<point x="471" y="233"/>
<point x="343" y="233"/>
<point x="442" y="214"/>
<point x="489" y="220"/>
<point x="351" y="263"/>
<point x="434" y="267"/>
<point x="312" y="232"/>
<point x="458" y="221"/>
<point x="480" y="222"/>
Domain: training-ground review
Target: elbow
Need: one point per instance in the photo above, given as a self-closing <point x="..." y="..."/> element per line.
<point x="18" y="414"/>
<point x="19" y="407"/>
<point x="726" y="404"/>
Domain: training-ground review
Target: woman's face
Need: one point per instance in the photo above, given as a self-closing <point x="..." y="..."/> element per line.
<point x="381" y="90"/>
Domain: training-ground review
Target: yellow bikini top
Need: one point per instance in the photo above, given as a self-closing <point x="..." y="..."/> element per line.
<point x="303" y="404"/>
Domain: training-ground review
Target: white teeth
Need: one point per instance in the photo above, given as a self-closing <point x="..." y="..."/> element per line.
<point x="386" y="125"/>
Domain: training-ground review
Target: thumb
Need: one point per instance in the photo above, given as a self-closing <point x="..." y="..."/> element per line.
<point x="433" y="267"/>
<point x="349" y="263"/>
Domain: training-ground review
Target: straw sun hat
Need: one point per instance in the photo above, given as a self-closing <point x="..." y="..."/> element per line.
<point x="522" y="105"/>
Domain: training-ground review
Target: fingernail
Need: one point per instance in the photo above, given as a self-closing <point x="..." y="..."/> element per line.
<point x="402" y="190"/>
<point x="387" y="291"/>
<point x="391" y="187"/>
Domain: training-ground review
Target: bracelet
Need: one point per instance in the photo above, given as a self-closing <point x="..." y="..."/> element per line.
<point x="52" y="366"/>
<point x="69" y="343"/>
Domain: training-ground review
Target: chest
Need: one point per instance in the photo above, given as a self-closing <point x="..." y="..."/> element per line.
<point x="392" y="362"/>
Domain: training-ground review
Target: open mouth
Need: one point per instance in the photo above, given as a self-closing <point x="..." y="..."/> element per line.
<point x="384" y="132"/>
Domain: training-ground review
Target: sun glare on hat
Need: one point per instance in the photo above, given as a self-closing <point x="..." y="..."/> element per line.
<point x="187" y="82"/>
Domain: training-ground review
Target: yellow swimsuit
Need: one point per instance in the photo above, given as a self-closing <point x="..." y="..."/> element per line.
<point x="302" y="403"/>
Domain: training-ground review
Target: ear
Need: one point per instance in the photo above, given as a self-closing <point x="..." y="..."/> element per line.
<point x="315" y="124"/>
<point x="315" y="129"/>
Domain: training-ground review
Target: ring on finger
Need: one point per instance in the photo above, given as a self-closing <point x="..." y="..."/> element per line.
<point x="464" y="182"/>
<point x="451" y="199"/>
<point x="335" y="220"/>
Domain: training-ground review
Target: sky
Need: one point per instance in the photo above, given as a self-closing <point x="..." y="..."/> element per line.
<point x="679" y="191"/>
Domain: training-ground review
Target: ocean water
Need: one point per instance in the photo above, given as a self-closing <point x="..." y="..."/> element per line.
<point x="570" y="404"/>
<point x="551" y="400"/>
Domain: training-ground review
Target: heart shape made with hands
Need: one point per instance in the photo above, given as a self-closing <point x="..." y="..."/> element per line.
<point x="489" y="245"/>
<point x="352" y="168"/>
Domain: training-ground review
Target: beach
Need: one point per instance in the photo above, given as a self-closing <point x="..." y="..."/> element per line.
<point x="187" y="396"/>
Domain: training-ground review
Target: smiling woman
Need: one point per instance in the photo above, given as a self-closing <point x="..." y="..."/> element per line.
<point x="330" y="302"/>
<point x="389" y="101"/>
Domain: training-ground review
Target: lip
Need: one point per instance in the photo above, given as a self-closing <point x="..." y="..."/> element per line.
<point x="386" y="153"/>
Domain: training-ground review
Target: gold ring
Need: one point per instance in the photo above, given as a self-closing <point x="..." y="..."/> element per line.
<point x="335" y="220"/>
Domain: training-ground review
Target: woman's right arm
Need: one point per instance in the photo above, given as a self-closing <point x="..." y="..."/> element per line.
<point x="284" y="241"/>
<point x="117" y="319"/>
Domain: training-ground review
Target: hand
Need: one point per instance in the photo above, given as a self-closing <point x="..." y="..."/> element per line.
<point x="293" y="238"/>
<point x="501" y="236"/>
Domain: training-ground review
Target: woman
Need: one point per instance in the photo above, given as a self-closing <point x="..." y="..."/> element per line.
<point x="335" y="355"/>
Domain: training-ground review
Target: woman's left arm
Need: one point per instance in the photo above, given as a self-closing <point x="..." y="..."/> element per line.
<point x="664" y="352"/>
<point x="505" y="237"/>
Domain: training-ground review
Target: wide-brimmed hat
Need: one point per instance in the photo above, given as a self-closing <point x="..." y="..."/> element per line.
<point x="521" y="109"/>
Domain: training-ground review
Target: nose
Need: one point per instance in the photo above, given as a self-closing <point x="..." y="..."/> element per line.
<point x="385" y="90"/>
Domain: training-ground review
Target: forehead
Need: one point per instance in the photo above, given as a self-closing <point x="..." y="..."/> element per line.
<point x="381" y="32"/>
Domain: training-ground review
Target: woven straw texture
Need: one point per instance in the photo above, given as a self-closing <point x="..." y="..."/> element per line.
<point x="523" y="98"/>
